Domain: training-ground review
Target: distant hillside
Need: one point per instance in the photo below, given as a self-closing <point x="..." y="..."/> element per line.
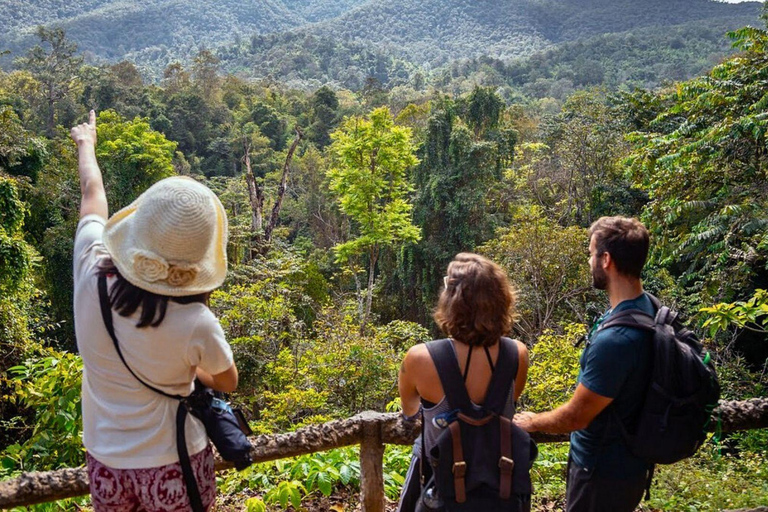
<point x="438" y="31"/>
<point x="641" y="43"/>
<point x="346" y="41"/>
<point x="646" y="57"/>
<point x="156" y="32"/>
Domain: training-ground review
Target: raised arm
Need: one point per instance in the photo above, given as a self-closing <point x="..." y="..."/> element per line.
<point x="94" y="199"/>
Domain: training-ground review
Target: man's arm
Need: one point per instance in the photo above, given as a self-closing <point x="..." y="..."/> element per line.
<point x="576" y="414"/>
<point x="94" y="198"/>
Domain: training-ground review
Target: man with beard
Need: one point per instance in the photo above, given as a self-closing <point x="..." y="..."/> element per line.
<point x="615" y="365"/>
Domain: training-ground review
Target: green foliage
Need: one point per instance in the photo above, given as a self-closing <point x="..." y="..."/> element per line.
<point x="259" y="321"/>
<point x="370" y="181"/>
<point x="548" y="476"/>
<point x="582" y="180"/>
<point x="553" y="370"/>
<point x="79" y="503"/>
<point x="255" y="505"/>
<point x="289" y="481"/>
<point x="710" y="482"/>
<point x="702" y="161"/>
<point x="751" y="314"/>
<point x="292" y="481"/>
<point x="547" y="263"/>
<point x="54" y="64"/>
<point x="370" y="184"/>
<point x="462" y="44"/>
<point x="14" y="139"/>
<point x="49" y="384"/>
<point x="397" y="460"/>
<point x="455" y="202"/>
<point x="336" y="373"/>
<point x="16" y="256"/>
<point x="132" y="157"/>
<point x="358" y="372"/>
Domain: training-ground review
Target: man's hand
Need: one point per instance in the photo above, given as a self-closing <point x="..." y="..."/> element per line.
<point x="576" y="414"/>
<point x="85" y="133"/>
<point x="524" y="420"/>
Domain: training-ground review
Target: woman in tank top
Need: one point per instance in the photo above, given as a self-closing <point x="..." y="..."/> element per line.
<point x="475" y="309"/>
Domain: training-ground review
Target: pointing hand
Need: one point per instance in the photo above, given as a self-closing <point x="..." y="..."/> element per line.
<point x="85" y="133"/>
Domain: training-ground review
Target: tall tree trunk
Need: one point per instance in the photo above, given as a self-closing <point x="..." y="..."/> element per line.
<point x="255" y="196"/>
<point x="281" y="190"/>
<point x="51" y="122"/>
<point x="374" y="256"/>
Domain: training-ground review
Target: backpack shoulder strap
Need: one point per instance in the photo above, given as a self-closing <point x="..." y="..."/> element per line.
<point x="635" y="318"/>
<point x="503" y="378"/>
<point x="444" y="357"/>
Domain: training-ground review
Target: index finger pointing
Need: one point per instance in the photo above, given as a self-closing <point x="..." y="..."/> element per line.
<point x="92" y="118"/>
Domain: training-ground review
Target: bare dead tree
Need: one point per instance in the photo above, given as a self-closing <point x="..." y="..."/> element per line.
<point x="255" y="197"/>
<point x="273" y="218"/>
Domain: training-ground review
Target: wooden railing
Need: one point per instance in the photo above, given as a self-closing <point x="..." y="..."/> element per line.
<point x="371" y="430"/>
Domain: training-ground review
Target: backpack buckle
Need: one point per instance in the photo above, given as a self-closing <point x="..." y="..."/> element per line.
<point x="505" y="463"/>
<point x="459" y="469"/>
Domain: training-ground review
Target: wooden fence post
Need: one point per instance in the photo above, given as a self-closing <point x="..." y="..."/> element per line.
<point x="372" y="468"/>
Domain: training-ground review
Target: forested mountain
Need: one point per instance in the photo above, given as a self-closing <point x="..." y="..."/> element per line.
<point x="647" y="57"/>
<point x="346" y="41"/>
<point x="158" y="32"/>
<point x="436" y="31"/>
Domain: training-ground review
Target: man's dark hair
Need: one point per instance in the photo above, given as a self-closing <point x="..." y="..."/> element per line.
<point x="625" y="239"/>
<point x="126" y="298"/>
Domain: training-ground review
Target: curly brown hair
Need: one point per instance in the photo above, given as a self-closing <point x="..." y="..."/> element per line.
<point x="477" y="305"/>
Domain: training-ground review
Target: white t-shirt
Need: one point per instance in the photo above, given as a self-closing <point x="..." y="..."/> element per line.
<point x="126" y="425"/>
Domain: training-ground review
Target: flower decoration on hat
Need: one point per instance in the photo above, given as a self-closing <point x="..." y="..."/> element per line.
<point x="181" y="274"/>
<point x="148" y="266"/>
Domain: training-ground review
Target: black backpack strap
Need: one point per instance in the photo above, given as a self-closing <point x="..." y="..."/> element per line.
<point x="181" y="414"/>
<point x="635" y="318"/>
<point x="503" y="378"/>
<point x="649" y="482"/>
<point x="193" y="491"/>
<point x="444" y="357"/>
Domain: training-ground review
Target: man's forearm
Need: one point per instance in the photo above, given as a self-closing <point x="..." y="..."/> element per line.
<point x="558" y="421"/>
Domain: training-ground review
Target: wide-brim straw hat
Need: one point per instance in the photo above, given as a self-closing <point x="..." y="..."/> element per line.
<point x="172" y="240"/>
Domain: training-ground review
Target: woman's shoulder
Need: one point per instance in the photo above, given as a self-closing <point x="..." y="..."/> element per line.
<point x="417" y="353"/>
<point x="193" y="313"/>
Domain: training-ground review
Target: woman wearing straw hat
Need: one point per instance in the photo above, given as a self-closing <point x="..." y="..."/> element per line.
<point x="162" y="256"/>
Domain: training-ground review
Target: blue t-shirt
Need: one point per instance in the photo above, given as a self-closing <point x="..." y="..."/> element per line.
<point x="616" y="364"/>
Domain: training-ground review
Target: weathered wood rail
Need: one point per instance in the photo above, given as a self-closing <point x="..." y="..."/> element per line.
<point x="371" y="430"/>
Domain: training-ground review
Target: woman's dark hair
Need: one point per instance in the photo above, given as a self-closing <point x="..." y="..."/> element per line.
<point x="477" y="306"/>
<point x="125" y="298"/>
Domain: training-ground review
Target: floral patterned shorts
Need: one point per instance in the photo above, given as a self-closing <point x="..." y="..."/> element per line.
<point x="159" y="489"/>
